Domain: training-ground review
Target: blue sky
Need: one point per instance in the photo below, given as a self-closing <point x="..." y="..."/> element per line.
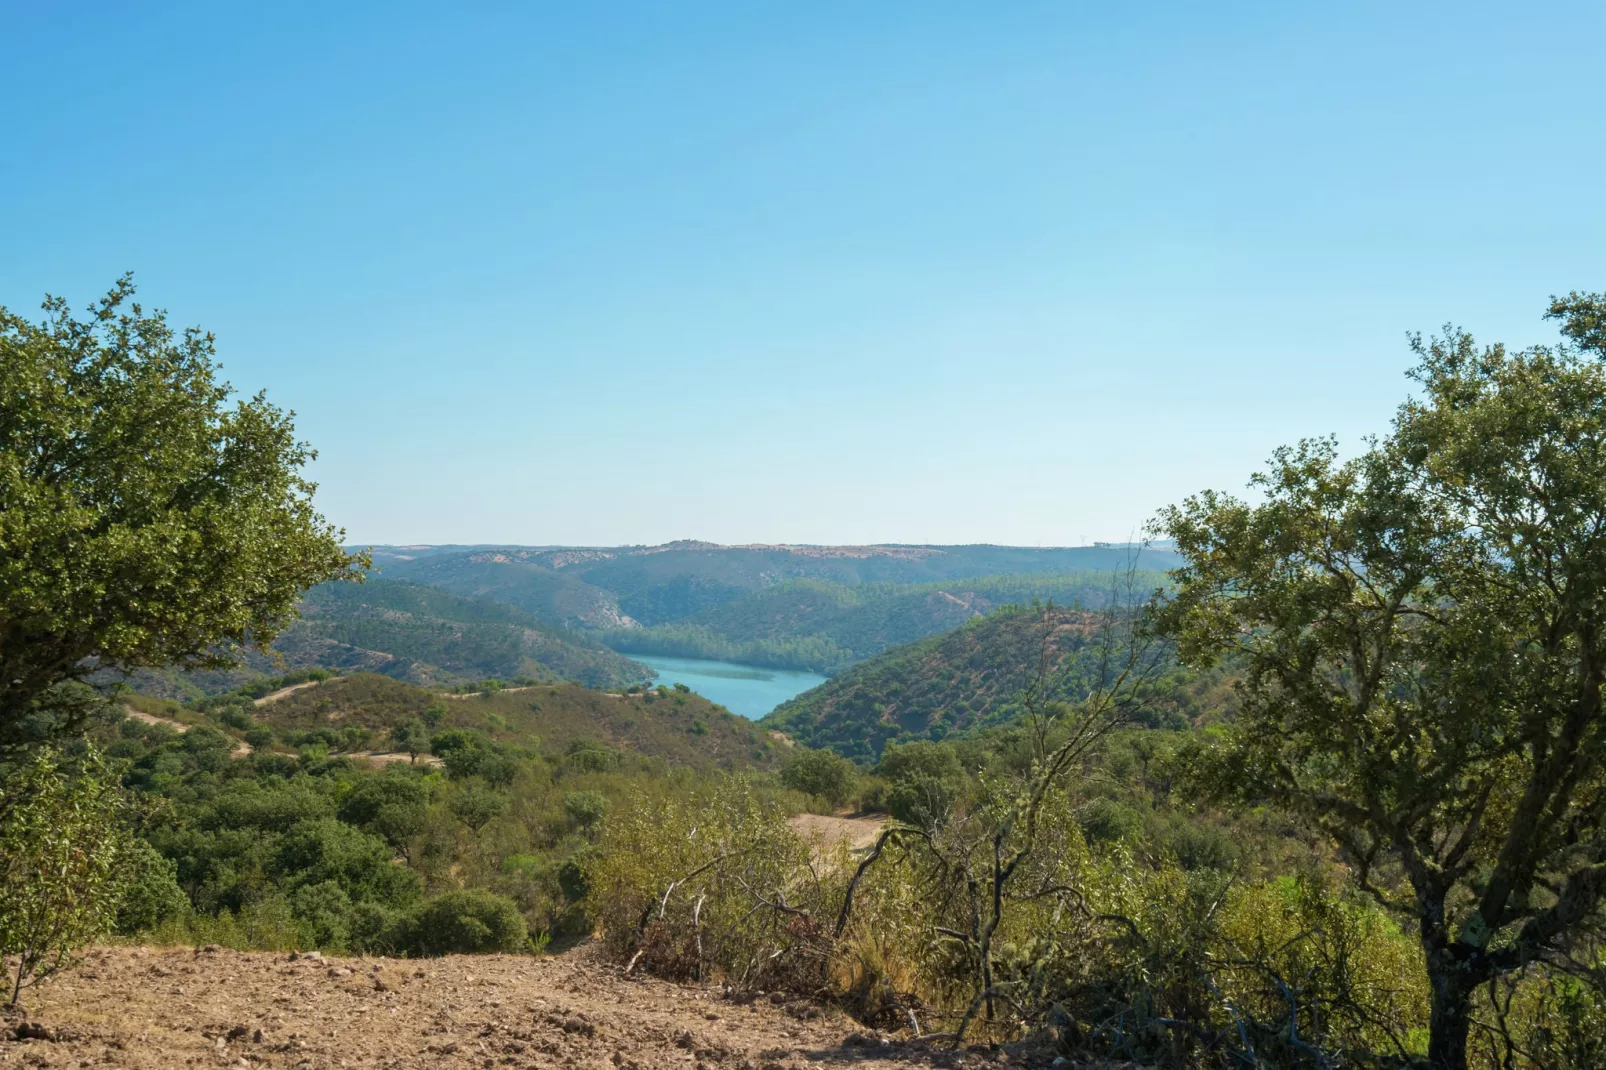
<point x="826" y="272"/>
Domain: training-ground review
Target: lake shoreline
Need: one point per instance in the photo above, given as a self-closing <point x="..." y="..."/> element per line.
<point x="750" y="691"/>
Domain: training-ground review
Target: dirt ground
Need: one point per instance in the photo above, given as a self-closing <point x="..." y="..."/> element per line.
<point x="859" y="832"/>
<point x="154" y="1008"/>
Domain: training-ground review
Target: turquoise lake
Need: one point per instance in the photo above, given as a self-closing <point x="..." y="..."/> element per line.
<point x="743" y="689"/>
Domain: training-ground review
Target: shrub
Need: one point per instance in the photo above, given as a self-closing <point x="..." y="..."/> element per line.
<point x="390" y="806"/>
<point x="924" y="780"/>
<point x="62" y="871"/>
<point x="1108" y="821"/>
<point x="466" y="922"/>
<point x="588" y="756"/>
<point x="692" y="889"/>
<point x="359" y="864"/>
<point x="151" y="894"/>
<point x="822" y="774"/>
<point x="324" y="912"/>
<point x="474" y="803"/>
<point x="585" y="808"/>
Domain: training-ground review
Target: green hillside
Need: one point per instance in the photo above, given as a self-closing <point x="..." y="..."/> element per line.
<point x="550" y="596"/>
<point x="464" y="638"/>
<point x="679" y="728"/>
<point x="597" y="587"/>
<point x="416" y="633"/>
<point x="949" y="684"/>
<point x="824" y="627"/>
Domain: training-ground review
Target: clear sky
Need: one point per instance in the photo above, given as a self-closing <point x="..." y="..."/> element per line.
<point x="819" y="272"/>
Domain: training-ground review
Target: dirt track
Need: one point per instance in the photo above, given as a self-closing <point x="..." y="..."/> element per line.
<point x="152" y="1008"/>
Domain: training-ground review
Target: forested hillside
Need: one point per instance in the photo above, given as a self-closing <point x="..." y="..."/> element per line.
<point x="955" y="683"/>
<point x="417" y="633"/>
<point x="597" y="587"/>
<point x="554" y="597"/>
<point x="824" y="627"/>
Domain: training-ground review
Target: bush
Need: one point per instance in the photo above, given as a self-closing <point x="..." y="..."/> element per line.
<point x="466" y="922"/>
<point x="324" y="913"/>
<point x="822" y="774"/>
<point x="390" y="806"/>
<point x="585" y="808"/>
<point x="151" y="893"/>
<point x="359" y="864"/>
<point x="62" y="863"/>
<point x="924" y="780"/>
<point x="467" y="753"/>
<point x="1108" y="821"/>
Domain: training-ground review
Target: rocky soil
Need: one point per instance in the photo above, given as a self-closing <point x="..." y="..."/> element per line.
<point x="161" y="1008"/>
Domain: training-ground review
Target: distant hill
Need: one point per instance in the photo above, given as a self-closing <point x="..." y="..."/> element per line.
<point x="677" y="728"/>
<point x="416" y="633"/>
<point x="464" y="638"/>
<point x="823" y="627"/>
<point x="547" y="595"/>
<point x="611" y="587"/>
<point x="950" y="684"/>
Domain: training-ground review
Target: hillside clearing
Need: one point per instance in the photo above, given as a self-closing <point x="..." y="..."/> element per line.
<point x="151" y="1009"/>
<point x="859" y="833"/>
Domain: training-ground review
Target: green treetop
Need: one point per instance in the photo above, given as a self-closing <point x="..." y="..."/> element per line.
<point x="1422" y="633"/>
<point x="146" y="519"/>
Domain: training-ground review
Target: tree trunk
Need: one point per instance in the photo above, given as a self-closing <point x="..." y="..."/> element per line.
<point x="1451" y="1018"/>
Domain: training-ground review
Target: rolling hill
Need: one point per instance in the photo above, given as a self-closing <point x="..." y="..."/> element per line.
<point x="613" y="587"/>
<point x="824" y="627"/>
<point x="677" y="728"/>
<point x="552" y="597"/>
<point x="949" y="684"/>
<point x="412" y="632"/>
<point x="457" y="637"/>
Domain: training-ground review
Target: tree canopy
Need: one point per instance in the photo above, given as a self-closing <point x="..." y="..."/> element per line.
<point x="1422" y="635"/>
<point x="147" y="517"/>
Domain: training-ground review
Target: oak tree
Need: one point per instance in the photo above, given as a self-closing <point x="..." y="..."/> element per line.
<point x="1421" y="632"/>
<point x="147" y="516"/>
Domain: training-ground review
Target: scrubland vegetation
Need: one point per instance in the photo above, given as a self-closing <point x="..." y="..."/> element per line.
<point x="1332" y="796"/>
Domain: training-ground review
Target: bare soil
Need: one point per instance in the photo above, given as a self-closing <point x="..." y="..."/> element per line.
<point x="154" y="1008"/>
<point x="859" y="832"/>
<point x="275" y="696"/>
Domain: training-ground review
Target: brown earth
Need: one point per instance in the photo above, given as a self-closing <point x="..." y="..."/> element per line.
<point x="154" y="1008"/>
<point x="275" y="696"/>
<point x="859" y="832"/>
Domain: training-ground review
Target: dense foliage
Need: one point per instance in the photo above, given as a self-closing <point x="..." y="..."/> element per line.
<point x="1422" y="632"/>
<point x="305" y="842"/>
<point x="65" y="858"/>
<point x="145" y="519"/>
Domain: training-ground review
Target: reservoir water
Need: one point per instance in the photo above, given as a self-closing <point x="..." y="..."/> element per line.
<point x="747" y="690"/>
